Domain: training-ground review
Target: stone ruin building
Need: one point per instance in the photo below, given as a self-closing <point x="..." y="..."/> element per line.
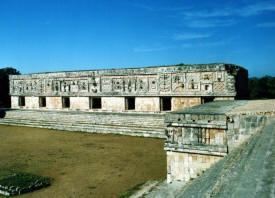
<point x="189" y="105"/>
<point x="149" y="89"/>
<point x="192" y="106"/>
<point x="121" y="101"/>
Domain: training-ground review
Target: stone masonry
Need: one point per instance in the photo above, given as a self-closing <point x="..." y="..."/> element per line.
<point x="200" y="136"/>
<point x="149" y="89"/>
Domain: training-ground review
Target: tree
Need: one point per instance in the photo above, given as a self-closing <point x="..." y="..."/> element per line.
<point x="261" y="88"/>
<point x="4" y="86"/>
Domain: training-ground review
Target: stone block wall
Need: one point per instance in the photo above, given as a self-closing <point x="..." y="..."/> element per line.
<point x="108" y="103"/>
<point x="199" y="136"/>
<point x="184" y="166"/>
<point x="54" y="102"/>
<point x="151" y="104"/>
<point x="14" y="102"/>
<point x="184" y="102"/>
<point x="241" y="127"/>
<point x="195" y="136"/>
<point x="32" y="102"/>
<point x="81" y="103"/>
<point x="113" y="103"/>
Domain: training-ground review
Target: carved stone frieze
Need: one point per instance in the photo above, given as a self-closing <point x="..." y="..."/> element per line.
<point x="153" y="84"/>
<point x="165" y="82"/>
<point x="178" y="82"/>
<point x="173" y="80"/>
<point x="142" y="84"/>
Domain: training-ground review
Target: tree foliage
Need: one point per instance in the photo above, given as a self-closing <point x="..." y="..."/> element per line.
<point x="4" y="85"/>
<point x="261" y="88"/>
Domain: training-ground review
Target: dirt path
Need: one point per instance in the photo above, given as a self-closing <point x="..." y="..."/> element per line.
<point x="82" y="164"/>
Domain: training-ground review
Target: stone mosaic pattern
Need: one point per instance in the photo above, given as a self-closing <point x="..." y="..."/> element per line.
<point x="187" y="80"/>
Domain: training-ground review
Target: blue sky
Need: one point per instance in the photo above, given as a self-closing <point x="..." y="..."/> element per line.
<point x="61" y="35"/>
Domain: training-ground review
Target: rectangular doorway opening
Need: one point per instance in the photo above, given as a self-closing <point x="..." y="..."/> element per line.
<point x="165" y="104"/>
<point x="130" y="103"/>
<point x="65" y="102"/>
<point x="207" y="99"/>
<point x="42" y="101"/>
<point x="95" y="103"/>
<point x="21" y="101"/>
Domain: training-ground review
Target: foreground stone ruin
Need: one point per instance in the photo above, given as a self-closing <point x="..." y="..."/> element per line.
<point x="248" y="171"/>
<point x="200" y="136"/>
<point x="20" y="183"/>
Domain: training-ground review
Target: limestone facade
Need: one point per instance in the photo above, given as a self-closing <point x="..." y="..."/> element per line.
<point x="199" y="136"/>
<point x="149" y="89"/>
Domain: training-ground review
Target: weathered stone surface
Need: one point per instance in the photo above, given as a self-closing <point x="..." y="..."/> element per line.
<point x="184" y="166"/>
<point x="187" y="85"/>
<point x="248" y="171"/>
<point x="148" y="104"/>
<point x="212" y="129"/>
<point x="146" y="125"/>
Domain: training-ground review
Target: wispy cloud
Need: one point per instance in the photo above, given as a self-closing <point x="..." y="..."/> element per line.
<point x="208" y="44"/>
<point x="213" y="17"/>
<point x="266" y="25"/>
<point x="255" y="9"/>
<point x="208" y="23"/>
<point x="150" y="49"/>
<point x="188" y="36"/>
<point x="208" y="18"/>
<point x="249" y="10"/>
<point x="189" y="14"/>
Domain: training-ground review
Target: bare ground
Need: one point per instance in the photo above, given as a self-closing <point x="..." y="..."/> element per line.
<point x="82" y="164"/>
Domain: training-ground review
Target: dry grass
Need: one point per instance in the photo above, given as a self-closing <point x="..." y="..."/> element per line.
<point x="82" y="164"/>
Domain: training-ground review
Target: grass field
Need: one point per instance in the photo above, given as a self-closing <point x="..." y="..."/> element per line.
<point x="81" y="164"/>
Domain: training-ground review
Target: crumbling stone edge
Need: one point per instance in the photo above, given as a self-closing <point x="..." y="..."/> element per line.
<point x="25" y="186"/>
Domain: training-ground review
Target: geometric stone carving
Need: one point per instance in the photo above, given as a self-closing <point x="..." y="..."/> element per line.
<point x="165" y="82"/>
<point x="172" y="80"/>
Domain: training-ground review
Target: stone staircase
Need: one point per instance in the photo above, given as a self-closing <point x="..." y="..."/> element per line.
<point x="134" y="124"/>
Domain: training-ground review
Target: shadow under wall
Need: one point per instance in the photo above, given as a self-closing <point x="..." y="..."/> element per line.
<point x="2" y="113"/>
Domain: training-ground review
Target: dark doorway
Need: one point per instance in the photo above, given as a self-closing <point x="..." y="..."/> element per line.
<point x="207" y="99"/>
<point x="95" y="103"/>
<point x="42" y="101"/>
<point x="165" y="103"/>
<point x="130" y="103"/>
<point x="65" y="102"/>
<point x="21" y="101"/>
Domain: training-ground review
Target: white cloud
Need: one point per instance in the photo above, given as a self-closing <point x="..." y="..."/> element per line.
<point x="206" y="13"/>
<point x="203" y="23"/>
<point x="255" y="9"/>
<point x="188" y="36"/>
<point x="223" y="17"/>
<point x="249" y="10"/>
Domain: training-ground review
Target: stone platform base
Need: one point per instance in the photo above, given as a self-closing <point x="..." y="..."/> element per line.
<point x="146" y="125"/>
